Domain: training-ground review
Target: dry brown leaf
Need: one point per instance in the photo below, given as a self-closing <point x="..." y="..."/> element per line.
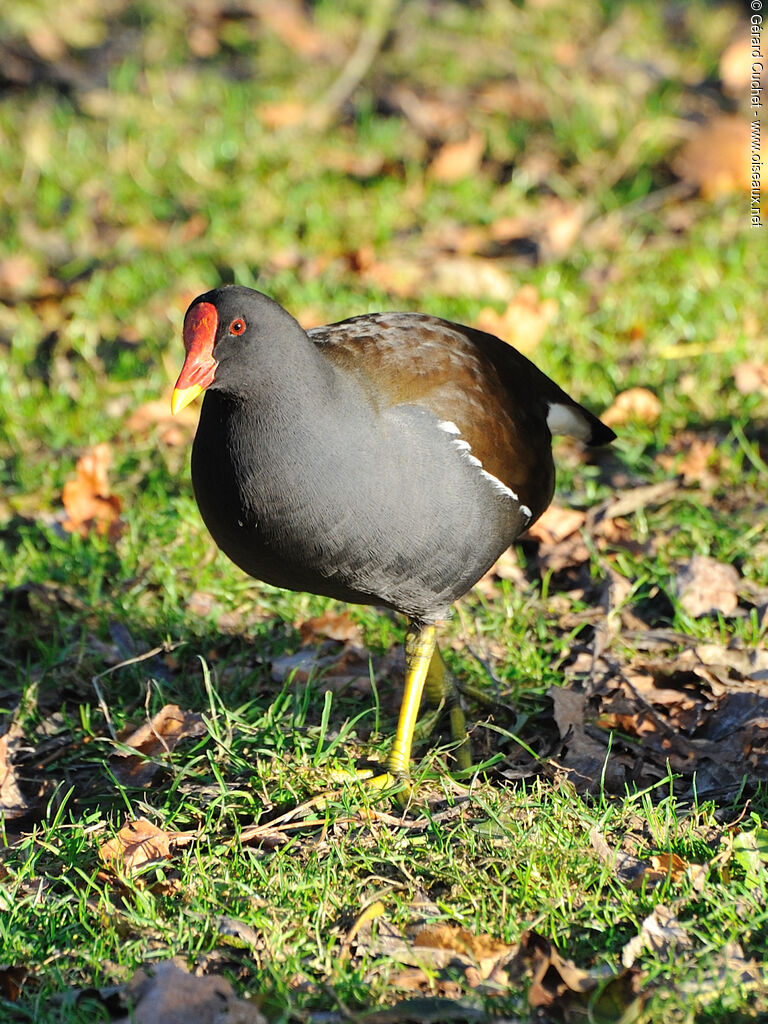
<point x="152" y="740"/>
<point x="340" y="671"/>
<point x="568" y="710"/>
<point x="751" y="377"/>
<point x="557" y="523"/>
<point x="173" y="430"/>
<point x="660" y="932"/>
<point x="736" y="65"/>
<point x="506" y="567"/>
<point x="416" y="979"/>
<point x="138" y="843"/>
<point x="701" y="712"/>
<point x="203" y="40"/>
<point x="87" y="499"/>
<point x="289" y="20"/>
<point x="560" y="226"/>
<point x="523" y="322"/>
<point x="473" y="277"/>
<point x="18" y="276"/>
<point x="453" y="236"/>
<point x="715" y="158"/>
<point x="13" y="803"/>
<point x="168" y="993"/>
<point x="749" y="665"/>
<point x="633" y="404"/>
<point x="705" y="586"/>
<point x="629" y="870"/>
<point x="431" y="115"/>
<point x="451" y="937"/>
<point x="525" y="99"/>
<point x="458" y="160"/>
<point x="335" y="625"/>
<point x="281" y="114"/>
<point x="568" y="992"/>
<point x="584" y="758"/>
<point x="11" y="982"/>
<point x="670" y="864"/>
<point x="696" y="464"/>
<point x="355" y="163"/>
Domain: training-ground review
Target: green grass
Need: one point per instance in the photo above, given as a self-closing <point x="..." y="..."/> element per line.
<point x="137" y="174"/>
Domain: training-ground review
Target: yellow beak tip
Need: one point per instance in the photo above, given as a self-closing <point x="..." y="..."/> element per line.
<point x="181" y="397"/>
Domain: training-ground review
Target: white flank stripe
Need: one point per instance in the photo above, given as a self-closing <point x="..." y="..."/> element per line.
<point x="465" y="448"/>
<point x="448" y="426"/>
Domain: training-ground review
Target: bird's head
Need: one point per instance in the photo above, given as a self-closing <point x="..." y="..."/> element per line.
<point x="221" y="329"/>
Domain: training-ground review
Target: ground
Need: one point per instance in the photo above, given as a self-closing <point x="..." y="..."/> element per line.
<point x="573" y="177"/>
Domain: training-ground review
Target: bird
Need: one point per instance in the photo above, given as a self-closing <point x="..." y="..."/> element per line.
<point x="387" y="459"/>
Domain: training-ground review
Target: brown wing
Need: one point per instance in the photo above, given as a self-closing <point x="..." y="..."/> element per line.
<point x="498" y="399"/>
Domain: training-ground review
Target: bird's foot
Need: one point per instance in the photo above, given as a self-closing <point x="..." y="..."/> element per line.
<point x="378" y="780"/>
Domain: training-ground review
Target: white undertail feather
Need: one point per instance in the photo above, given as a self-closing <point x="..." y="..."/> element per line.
<point x="565" y="419"/>
<point x="466" y="450"/>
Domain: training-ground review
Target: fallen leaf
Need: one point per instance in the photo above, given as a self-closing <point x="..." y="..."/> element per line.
<point x="87" y="499"/>
<point x="736" y="65"/>
<point x="432" y="115"/>
<point x="568" y="710"/>
<point x="458" y="160"/>
<point x="629" y="870"/>
<point x="336" y="625"/>
<point x="474" y="277"/>
<point x="355" y="163"/>
<point x="166" y="992"/>
<point x="506" y="567"/>
<point x="705" y="586"/>
<point x="525" y="100"/>
<point x="633" y="404"/>
<point x="751" y="378"/>
<point x="584" y="758"/>
<point x="557" y="523"/>
<point x="203" y="40"/>
<point x="173" y="430"/>
<point x="340" y="670"/>
<point x="139" y="843"/>
<point x="523" y="322"/>
<point x="715" y="158"/>
<point x="660" y="932"/>
<point x="11" y="982"/>
<point x="13" y="803"/>
<point x="152" y="741"/>
<point x="672" y="865"/>
<point x="460" y="940"/>
<point x="281" y="114"/>
<point x="19" y="274"/>
<point x="739" y="664"/>
<point x="568" y="992"/>
<point x="237" y="934"/>
<point x="290" y="21"/>
<point x="697" y="463"/>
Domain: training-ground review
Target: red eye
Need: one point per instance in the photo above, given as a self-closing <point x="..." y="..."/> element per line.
<point x="237" y="326"/>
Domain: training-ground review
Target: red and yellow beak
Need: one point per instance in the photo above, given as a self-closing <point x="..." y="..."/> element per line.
<point x="199" y="367"/>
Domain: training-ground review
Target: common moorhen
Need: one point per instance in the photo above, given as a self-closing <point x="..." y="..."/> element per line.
<point x="388" y="459"/>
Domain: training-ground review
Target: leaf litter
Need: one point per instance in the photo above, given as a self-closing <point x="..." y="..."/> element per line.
<point x="153" y="741"/>
<point x="674" y="685"/>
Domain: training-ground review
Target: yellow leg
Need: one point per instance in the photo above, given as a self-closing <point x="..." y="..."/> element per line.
<point x="442" y="691"/>
<point x="420" y="644"/>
